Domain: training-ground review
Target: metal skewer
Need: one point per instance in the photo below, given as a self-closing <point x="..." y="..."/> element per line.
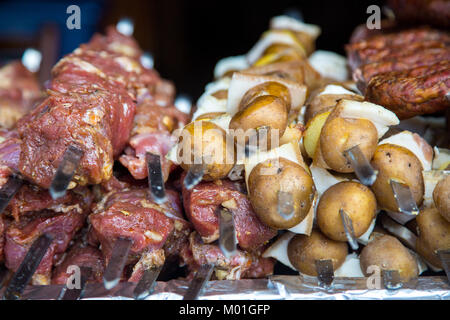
<point x="114" y="269"/>
<point x="391" y="279"/>
<point x="194" y="175"/>
<point x="66" y="171"/>
<point x="147" y="283"/>
<point x="348" y="228"/>
<point x="227" y="233"/>
<point x="76" y="293"/>
<point x="444" y="256"/>
<point x="199" y="282"/>
<point x="363" y="170"/>
<point x="404" y="198"/>
<point x="28" y="267"/>
<point x="8" y="190"/>
<point x="155" y="178"/>
<point x="325" y="272"/>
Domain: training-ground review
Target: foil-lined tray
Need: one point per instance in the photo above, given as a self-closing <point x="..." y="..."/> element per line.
<point x="273" y="288"/>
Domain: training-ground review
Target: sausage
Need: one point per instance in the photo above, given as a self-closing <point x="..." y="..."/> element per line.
<point x="412" y="92"/>
<point x="427" y="57"/>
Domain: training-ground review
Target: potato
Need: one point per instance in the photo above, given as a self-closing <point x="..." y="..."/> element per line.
<point x="388" y="253"/>
<point x="271" y="176"/>
<point x="434" y="233"/>
<point x="210" y="115"/>
<point x="279" y="53"/>
<point x="312" y="132"/>
<point x="355" y="199"/>
<point x="210" y="145"/>
<point x="326" y="102"/>
<point x="340" y="134"/>
<point x="400" y="164"/>
<point x="441" y="197"/>
<point x="266" y="110"/>
<point x="303" y="251"/>
<point x="268" y="88"/>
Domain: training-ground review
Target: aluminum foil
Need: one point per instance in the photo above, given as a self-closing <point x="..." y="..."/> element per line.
<point x="273" y="288"/>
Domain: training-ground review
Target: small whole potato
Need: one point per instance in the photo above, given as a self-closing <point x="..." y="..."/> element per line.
<point x="355" y="199"/>
<point x="326" y="102"/>
<point x="209" y="115"/>
<point x="340" y="134"/>
<point x="271" y="176"/>
<point x="268" y="88"/>
<point x="303" y="251"/>
<point x="434" y="233"/>
<point x="208" y="143"/>
<point x="388" y="253"/>
<point x="264" y="111"/>
<point x="400" y="164"/>
<point x="441" y="197"/>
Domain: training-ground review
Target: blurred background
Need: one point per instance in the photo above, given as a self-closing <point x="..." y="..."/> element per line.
<point x="186" y="38"/>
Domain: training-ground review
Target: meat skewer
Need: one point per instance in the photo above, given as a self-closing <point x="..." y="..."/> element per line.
<point x="65" y="172"/>
<point x="325" y="273"/>
<point x="404" y="198"/>
<point x="155" y="178"/>
<point x="9" y="190"/>
<point x="227" y="232"/>
<point x="117" y="262"/>
<point x="76" y="293"/>
<point x="199" y="282"/>
<point x="27" y="268"/>
<point x="348" y="228"/>
<point x="363" y="170"/>
<point x="444" y="256"/>
<point x="391" y="279"/>
<point x="147" y="283"/>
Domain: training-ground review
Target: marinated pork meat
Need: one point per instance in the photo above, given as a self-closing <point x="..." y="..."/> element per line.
<point x="416" y="91"/>
<point x="152" y="132"/>
<point x="81" y="256"/>
<point x="91" y="104"/>
<point x="242" y="265"/>
<point x="9" y="150"/>
<point x="202" y="202"/>
<point x="30" y="199"/>
<point x="128" y="214"/>
<point x="20" y="235"/>
<point x="19" y="91"/>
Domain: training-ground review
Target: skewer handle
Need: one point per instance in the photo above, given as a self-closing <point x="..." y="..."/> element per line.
<point x="194" y="176"/>
<point x="348" y="228"/>
<point x="76" y="294"/>
<point x="363" y="169"/>
<point x="227" y="233"/>
<point x="146" y="285"/>
<point x="404" y="198"/>
<point x="114" y="269"/>
<point x="28" y="267"/>
<point x="325" y="272"/>
<point x="156" y="178"/>
<point x="65" y="172"/>
<point x="444" y="256"/>
<point x="8" y="190"/>
<point x="391" y="279"/>
<point x="199" y="282"/>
